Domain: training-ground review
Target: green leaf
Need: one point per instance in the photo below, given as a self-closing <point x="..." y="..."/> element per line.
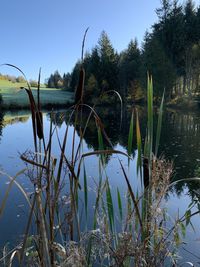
<point x="85" y="190"/>
<point x="100" y="139"/>
<point x="109" y="206"/>
<point x="130" y="136"/>
<point x="177" y="238"/>
<point x="139" y="144"/>
<point x="101" y="145"/>
<point x="119" y="203"/>
<point x="159" y="125"/>
<point x="187" y="217"/>
<point x="150" y="117"/>
<point x="183" y="229"/>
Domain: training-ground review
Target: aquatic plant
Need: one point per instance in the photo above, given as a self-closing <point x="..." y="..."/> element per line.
<point x="133" y="234"/>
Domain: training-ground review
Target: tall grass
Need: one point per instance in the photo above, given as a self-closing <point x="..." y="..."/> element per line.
<point x="143" y="238"/>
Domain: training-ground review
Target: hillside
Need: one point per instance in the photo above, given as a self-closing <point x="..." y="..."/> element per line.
<point x="15" y="98"/>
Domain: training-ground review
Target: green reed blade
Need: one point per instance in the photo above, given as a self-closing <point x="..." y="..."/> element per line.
<point x="150" y="117"/>
<point x="97" y="199"/>
<point x="139" y="144"/>
<point x="130" y="136"/>
<point x="85" y="190"/>
<point x="101" y="145"/>
<point x="159" y="125"/>
<point x="109" y="206"/>
<point x="100" y="139"/>
<point x="119" y="204"/>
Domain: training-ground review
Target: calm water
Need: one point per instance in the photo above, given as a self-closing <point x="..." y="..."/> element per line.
<point x="180" y="142"/>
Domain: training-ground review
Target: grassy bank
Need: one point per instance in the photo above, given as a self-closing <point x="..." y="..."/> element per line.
<point x="16" y="98"/>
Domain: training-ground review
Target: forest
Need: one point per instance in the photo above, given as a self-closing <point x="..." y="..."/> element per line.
<point x="170" y="52"/>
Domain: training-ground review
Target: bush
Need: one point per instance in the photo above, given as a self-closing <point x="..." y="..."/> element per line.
<point x="33" y="83"/>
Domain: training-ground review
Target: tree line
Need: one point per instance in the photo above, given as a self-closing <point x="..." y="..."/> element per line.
<point x="57" y="81"/>
<point x="12" y="78"/>
<point x="18" y="79"/>
<point x="170" y="52"/>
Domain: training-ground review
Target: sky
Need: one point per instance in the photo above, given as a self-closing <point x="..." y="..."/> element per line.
<point x="48" y="33"/>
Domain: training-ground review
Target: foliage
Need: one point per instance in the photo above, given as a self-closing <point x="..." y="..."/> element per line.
<point x="129" y="69"/>
<point x="55" y="80"/>
<point x="170" y="52"/>
<point x="33" y="83"/>
<point x="13" y="79"/>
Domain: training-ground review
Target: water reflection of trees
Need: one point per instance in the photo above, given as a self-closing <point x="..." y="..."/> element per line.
<point x="8" y="118"/>
<point x="180" y="142"/>
<point x="116" y="129"/>
<point x="179" y="139"/>
<point x="14" y="120"/>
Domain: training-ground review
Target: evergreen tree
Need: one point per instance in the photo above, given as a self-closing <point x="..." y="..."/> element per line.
<point x="129" y="67"/>
<point x="108" y="64"/>
<point x="66" y="81"/>
<point x="50" y="82"/>
<point x="75" y="76"/>
<point x="158" y="64"/>
<point x="190" y="39"/>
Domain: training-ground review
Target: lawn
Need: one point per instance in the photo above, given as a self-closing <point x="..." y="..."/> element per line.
<point x="14" y="97"/>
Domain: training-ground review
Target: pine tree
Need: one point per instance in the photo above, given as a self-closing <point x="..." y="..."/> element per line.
<point x="108" y="63"/>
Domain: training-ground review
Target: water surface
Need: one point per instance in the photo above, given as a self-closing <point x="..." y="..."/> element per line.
<point x="180" y="142"/>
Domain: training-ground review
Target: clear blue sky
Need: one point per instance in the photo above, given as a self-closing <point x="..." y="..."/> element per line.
<point x="48" y="33"/>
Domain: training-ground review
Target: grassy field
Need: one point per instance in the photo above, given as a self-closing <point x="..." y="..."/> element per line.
<point x="14" y="97"/>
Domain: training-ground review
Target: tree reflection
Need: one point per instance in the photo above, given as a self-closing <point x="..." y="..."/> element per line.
<point x="179" y="137"/>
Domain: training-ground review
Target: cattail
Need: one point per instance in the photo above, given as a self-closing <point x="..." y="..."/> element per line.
<point x="80" y="87"/>
<point x="39" y="123"/>
<point x="33" y="109"/>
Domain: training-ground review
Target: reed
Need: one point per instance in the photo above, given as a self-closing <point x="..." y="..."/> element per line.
<point x="143" y="238"/>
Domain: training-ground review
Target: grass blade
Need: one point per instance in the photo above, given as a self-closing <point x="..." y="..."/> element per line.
<point x="139" y="144"/>
<point x="119" y="204"/>
<point x="109" y="206"/>
<point x="101" y="145"/>
<point x="130" y="136"/>
<point x="85" y="190"/>
<point x="150" y="117"/>
<point x="159" y="125"/>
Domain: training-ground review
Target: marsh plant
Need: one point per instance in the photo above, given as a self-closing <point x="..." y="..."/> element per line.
<point x="134" y="231"/>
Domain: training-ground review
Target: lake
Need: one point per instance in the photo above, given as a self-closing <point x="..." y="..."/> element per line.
<point x="180" y="142"/>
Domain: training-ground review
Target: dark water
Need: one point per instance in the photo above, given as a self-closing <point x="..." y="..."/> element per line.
<point x="180" y="142"/>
